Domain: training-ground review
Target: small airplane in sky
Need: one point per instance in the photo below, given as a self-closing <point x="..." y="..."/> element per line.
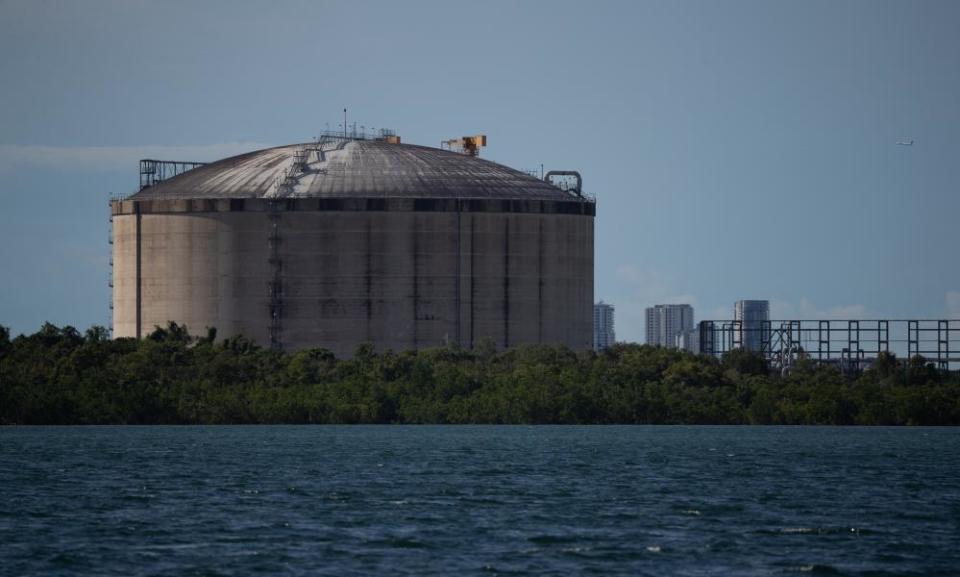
<point x="905" y="143"/>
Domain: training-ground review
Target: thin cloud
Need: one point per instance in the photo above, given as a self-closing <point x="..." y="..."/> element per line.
<point x="650" y="286"/>
<point x="953" y="304"/>
<point x="114" y="158"/>
<point x="646" y="287"/>
<point x="805" y="309"/>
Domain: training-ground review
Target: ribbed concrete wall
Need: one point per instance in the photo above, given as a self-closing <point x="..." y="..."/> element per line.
<point x="399" y="279"/>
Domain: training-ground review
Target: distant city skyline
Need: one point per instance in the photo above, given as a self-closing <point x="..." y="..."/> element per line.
<point x="735" y="148"/>
<point x="689" y="340"/>
<point x="604" y="326"/>
<point x="665" y="323"/>
<point x="751" y="316"/>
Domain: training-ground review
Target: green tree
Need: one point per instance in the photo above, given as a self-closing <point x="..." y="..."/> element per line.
<point x="745" y="362"/>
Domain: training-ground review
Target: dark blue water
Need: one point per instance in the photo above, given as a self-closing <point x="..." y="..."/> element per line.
<point x="479" y="500"/>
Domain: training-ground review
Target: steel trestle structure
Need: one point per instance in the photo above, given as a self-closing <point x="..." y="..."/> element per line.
<point x="852" y="344"/>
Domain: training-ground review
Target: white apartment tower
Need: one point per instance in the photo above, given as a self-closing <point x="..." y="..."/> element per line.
<point x="603" y="333"/>
<point x="666" y="322"/>
<point x="689" y="341"/>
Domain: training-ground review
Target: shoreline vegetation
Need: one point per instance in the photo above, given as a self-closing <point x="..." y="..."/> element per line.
<point x="60" y="376"/>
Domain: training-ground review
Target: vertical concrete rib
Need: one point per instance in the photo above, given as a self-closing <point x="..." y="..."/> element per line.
<point x="506" y="282"/>
<point x="540" y="280"/>
<point x="473" y="278"/>
<point x="367" y="281"/>
<point x="459" y="256"/>
<point x="416" y="282"/>
<point x="139" y="265"/>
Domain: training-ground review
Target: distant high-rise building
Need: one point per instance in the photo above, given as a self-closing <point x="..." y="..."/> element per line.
<point x="666" y="322"/>
<point x="752" y="317"/>
<point x="603" y="333"/>
<point x="689" y="341"/>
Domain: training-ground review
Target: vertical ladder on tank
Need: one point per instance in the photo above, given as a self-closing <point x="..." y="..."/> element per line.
<point x="275" y="285"/>
<point x="287" y="180"/>
<point x="110" y="280"/>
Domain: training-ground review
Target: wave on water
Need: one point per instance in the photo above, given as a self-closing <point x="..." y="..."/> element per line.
<point x="314" y="500"/>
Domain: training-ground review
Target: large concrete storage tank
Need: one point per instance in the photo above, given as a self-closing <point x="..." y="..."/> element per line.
<point x="348" y="241"/>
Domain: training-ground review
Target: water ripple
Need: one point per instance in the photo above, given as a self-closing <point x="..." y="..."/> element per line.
<point x="348" y="501"/>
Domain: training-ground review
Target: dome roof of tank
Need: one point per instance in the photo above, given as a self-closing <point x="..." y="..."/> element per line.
<point x="358" y="168"/>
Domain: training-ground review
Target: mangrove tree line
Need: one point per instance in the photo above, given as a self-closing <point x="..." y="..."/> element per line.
<point x="62" y="376"/>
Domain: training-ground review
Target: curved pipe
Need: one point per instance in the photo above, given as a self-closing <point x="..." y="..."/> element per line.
<point x="573" y="173"/>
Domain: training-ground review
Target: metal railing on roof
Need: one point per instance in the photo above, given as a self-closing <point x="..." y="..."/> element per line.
<point x="153" y="171"/>
<point x="351" y="133"/>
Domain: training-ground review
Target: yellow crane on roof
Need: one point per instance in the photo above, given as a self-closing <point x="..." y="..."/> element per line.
<point x="469" y="145"/>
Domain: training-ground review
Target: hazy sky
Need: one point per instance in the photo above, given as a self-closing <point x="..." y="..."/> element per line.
<point x="737" y="149"/>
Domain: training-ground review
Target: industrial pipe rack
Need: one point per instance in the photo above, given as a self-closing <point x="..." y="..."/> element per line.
<point x="853" y="344"/>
